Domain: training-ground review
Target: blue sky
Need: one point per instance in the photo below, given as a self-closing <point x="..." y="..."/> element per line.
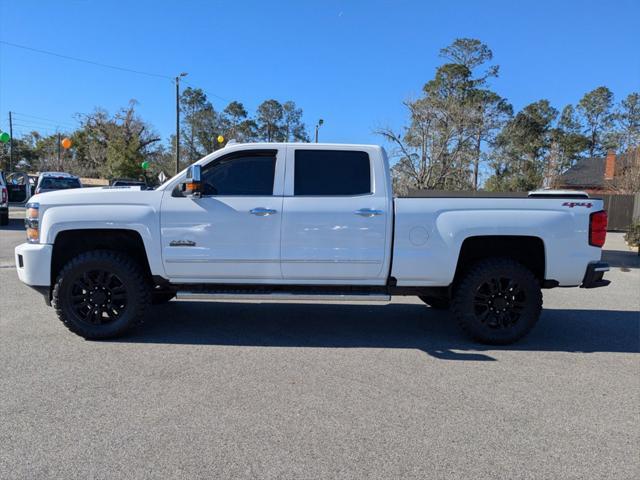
<point x="351" y="63"/>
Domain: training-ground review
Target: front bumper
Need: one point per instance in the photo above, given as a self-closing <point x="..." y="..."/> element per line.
<point x="33" y="263"/>
<point x="593" y="277"/>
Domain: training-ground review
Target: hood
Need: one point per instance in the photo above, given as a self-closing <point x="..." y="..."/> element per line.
<point x="96" y="196"/>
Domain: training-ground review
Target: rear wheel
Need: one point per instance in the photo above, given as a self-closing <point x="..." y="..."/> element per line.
<point x="497" y="301"/>
<point x="437" y="303"/>
<point x="101" y="294"/>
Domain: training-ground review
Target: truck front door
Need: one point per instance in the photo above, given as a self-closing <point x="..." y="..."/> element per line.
<point x="231" y="233"/>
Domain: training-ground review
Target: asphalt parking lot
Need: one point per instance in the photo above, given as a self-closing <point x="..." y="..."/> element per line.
<point x="272" y="390"/>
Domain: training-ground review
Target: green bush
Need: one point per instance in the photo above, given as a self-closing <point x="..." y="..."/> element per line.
<point x="632" y="237"/>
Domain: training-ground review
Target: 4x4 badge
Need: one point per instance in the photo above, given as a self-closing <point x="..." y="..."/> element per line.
<point x="577" y="204"/>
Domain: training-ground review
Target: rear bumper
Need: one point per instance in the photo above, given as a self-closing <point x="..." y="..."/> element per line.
<point x="33" y="263"/>
<point x="593" y="277"/>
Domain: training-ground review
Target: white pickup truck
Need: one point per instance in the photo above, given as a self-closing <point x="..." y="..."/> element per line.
<point x="305" y="221"/>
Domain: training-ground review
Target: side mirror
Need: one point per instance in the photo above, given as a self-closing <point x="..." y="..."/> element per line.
<point x="192" y="187"/>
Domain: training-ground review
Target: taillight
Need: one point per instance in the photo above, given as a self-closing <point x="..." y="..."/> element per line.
<point x="597" y="228"/>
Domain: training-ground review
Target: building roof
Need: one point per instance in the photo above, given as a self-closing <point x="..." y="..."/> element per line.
<point x="587" y="172"/>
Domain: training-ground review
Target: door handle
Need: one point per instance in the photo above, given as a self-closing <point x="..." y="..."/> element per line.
<point x="262" y="212"/>
<point x="368" y="212"/>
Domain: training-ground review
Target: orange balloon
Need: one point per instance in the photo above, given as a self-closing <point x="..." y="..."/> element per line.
<point x="66" y="143"/>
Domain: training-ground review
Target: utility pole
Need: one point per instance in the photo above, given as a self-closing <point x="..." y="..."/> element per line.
<point x="10" y="141"/>
<point x="318" y="125"/>
<point x="183" y="74"/>
<point x="59" y="150"/>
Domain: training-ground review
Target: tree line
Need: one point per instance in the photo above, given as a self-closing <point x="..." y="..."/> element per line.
<point x="460" y="128"/>
<point x="460" y="133"/>
<point x="115" y="146"/>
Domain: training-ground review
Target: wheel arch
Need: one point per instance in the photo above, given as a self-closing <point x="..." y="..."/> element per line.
<point x="70" y="243"/>
<point x="527" y="250"/>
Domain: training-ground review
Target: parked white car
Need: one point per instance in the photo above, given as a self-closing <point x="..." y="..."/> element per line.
<point x="306" y="221"/>
<point x="52" y="181"/>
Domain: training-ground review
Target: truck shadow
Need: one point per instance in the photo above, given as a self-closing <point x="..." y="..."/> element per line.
<point x="396" y="325"/>
<point x="622" y="259"/>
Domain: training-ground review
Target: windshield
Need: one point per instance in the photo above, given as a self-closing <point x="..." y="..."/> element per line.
<point x="49" y="183"/>
<point x="128" y="183"/>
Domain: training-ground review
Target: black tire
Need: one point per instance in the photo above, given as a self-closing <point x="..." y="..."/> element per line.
<point x="437" y="303"/>
<point x="4" y="218"/>
<point x="497" y="301"/>
<point x="108" y="281"/>
<point x="158" y="298"/>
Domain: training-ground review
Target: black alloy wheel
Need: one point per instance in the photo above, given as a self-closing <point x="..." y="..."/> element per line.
<point x="101" y="294"/>
<point x="98" y="297"/>
<point x="497" y="301"/>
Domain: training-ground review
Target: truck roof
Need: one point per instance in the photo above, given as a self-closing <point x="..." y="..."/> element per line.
<point x="232" y="143"/>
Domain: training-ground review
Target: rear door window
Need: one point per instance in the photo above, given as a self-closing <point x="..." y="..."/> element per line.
<point x="331" y="173"/>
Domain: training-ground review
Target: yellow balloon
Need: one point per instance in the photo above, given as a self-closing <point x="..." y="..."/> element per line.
<point x="220" y="139"/>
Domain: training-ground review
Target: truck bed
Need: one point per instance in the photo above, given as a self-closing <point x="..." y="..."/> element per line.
<point x="429" y="232"/>
<point x="483" y="194"/>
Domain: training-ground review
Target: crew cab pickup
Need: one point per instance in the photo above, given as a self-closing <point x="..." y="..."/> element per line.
<point x="298" y="221"/>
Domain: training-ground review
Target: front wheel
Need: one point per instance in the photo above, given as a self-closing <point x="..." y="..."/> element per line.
<point x="497" y="301"/>
<point x="101" y="294"/>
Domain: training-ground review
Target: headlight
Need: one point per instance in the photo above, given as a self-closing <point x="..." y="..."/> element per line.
<point x="31" y="222"/>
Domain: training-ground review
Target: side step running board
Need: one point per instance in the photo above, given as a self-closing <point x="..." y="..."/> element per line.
<point x="284" y="296"/>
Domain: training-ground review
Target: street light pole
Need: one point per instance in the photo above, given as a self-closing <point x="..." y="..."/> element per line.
<point x="59" y="152"/>
<point x="318" y="125"/>
<point x="10" y="141"/>
<point x="183" y="74"/>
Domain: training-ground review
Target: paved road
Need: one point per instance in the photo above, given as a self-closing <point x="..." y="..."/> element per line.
<point x="249" y="390"/>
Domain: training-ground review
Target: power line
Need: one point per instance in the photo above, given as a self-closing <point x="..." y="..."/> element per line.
<point x="40" y="128"/>
<point x="105" y="65"/>
<point x="40" y="119"/>
<point x="24" y="131"/>
<point x="31" y="121"/>
<point x="82" y="60"/>
<point x="26" y="123"/>
<point x="208" y="93"/>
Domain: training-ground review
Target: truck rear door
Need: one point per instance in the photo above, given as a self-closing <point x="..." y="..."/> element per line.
<point x="336" y="216"/>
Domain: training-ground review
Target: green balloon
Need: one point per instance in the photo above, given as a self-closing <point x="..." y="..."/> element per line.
<point x="4" y="137"/>
<point x="144" y="165"/>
